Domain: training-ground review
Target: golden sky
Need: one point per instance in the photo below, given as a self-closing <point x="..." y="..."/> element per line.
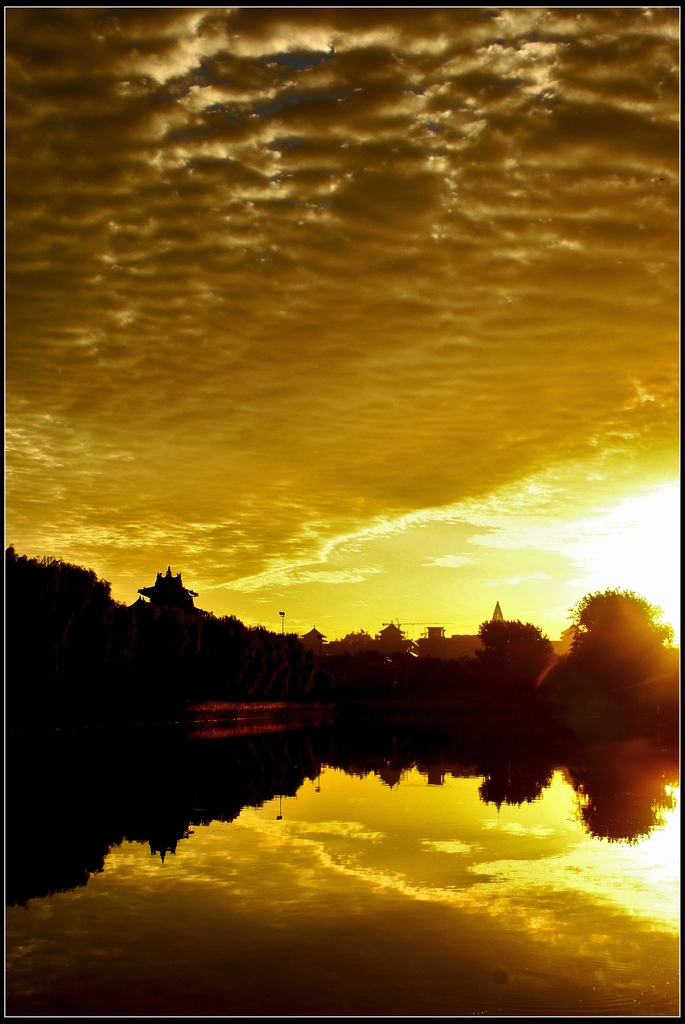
<point x="359" y="314"/>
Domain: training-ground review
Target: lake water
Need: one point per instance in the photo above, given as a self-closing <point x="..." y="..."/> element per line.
<point x="383" y="870"/>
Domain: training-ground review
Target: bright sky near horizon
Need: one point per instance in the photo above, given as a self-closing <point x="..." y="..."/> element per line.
<point x="360" y="314"/>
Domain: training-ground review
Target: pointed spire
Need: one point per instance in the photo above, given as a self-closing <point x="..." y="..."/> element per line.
<point x="497" y="614"/>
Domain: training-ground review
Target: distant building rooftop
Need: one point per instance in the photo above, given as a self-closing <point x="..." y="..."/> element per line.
<point x="168" y="592"/>
<point x="313" y="634"/>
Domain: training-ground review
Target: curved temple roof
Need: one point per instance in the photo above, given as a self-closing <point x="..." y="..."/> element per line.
<point x="168" y="592"/>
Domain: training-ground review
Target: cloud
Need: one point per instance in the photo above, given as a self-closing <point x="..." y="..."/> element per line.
<point x="449" y="561"/>
<point x="331" y="266"/>
<point x="288" y="577"/>
<point x="513" y="581"/>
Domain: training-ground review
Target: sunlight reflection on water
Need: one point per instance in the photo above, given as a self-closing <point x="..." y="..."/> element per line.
<point x="366" y="899"/>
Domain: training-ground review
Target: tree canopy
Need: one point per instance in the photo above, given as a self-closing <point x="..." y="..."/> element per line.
<point x="73" y="653"/>
<point x="618" y="615"/>
<point x="514" y="650"/>
<point x="617" y="636"/>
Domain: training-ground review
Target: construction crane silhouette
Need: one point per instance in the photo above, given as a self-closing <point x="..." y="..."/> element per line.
<point x="400" y="624"/>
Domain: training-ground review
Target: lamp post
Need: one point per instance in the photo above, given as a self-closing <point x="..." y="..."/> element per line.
<point x="282" y="614"/>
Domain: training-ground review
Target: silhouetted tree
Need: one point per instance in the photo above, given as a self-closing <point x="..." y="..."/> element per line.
<point x="74" y="653"/>
<point x="618" y="638"/>
<point x="58" y="621"/>
<point x="620" y="677"/>
<point x="513" y="651"/>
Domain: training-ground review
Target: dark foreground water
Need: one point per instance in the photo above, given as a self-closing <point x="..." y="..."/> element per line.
<point x="358" y="870"/>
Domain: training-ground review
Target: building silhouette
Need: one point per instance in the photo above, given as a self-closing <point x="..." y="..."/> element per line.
<point x="314" y="641"/>
<point x="563" y="644"/>
<point x="437" y="645"/>
<point x="168" y="592"/>
<point x="392" y="640"/>
<point x="434" y="643"/>
<point x="460" y="645"/>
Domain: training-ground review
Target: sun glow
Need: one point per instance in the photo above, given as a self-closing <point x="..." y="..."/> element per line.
<point x="635" y="546"/>
<point x="355" y="357"/>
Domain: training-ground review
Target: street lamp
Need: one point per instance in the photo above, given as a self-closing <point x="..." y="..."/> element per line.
<point x="282" y="614"/>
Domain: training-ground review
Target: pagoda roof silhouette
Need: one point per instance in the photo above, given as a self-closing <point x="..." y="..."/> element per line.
<point x="391" y="630"/>
<point x="168" y="592"/>
<point x="313" y="634"/>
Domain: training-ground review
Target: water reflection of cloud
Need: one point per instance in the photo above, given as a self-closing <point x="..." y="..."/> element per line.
<point x="504" y="896"/>
<point x="335" y="828"/>
<point x="515" y="828"/>
<point x="605" y="875"/>
<point x="258" y="861"/>
<point x="449" y="846"/>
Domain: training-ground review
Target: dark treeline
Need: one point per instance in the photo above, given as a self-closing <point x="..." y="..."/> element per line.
<point x="618" y="680"/>
<point x="73" y="653"/>
<point x="73" y="795"/>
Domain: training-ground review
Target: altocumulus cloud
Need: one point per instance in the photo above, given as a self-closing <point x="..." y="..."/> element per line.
<point x="270" y="268"/>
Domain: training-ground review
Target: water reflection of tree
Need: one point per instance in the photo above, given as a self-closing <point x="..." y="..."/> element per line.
<point x="623" y="788"/>
<point x="71" y="797"/>
<point x="516" y="782"/>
